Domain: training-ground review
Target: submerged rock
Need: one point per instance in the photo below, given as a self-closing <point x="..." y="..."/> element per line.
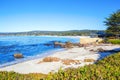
<point x="56" y="44"/>
<point x="47" y="44"/>
<point x="18" y="55"/>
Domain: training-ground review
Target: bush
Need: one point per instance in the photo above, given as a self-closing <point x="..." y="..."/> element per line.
<point x="114" y="41"/>
<point x="106" y="69"/>
<point x="4" y="75"/>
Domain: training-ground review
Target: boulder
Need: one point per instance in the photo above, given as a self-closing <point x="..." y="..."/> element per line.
<point x="78" y="44"/>
<point x="58" y="44"/>
<point x="68" y="45"/>
<point x="100" y="50"/>
<point x="18" y="55"/>
<point x="91" y="50"/>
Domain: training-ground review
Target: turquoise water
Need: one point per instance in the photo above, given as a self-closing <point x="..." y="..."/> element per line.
<point x="30" y="46"/>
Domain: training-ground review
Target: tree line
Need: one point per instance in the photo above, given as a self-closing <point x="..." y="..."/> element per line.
<point x="113" y="23"/>
<point x="59" y="33"/>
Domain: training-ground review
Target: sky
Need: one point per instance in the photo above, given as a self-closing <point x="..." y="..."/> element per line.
<point x="55" y="15"/>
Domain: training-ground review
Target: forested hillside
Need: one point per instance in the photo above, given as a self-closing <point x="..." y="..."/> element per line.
<point x="59" y="33"/>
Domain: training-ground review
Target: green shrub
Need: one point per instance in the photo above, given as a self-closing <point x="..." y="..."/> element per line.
<point x="4" y="75"/>
<point x="114" y="41"/>
<point x="105" y="69"/>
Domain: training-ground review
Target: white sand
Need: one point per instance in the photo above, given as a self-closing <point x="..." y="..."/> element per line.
<point x="32" y="66"/>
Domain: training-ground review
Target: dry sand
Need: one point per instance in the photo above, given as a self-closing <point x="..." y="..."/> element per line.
<point x="82" y="53"/>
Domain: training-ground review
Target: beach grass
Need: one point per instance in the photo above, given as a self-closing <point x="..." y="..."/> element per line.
<point x="114" y="41"/>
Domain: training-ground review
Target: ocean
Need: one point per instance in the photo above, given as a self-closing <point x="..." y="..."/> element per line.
<point x="31" y="47"/>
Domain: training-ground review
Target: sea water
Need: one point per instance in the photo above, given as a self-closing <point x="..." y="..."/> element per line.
<point x="31" y="47"/>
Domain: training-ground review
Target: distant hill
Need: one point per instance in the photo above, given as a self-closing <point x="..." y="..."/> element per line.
<point x="59" y="33"/>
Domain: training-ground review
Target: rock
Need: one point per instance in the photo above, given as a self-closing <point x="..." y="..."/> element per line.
<point x="68" y="45"/>
<point x="78" y="44"/>
<point x="51" y="59"/>
<point x="59" y="44"/>
<point x="18" y="55"/>
<point x="100" y="50"/>
<point x="92" y="50"/>
<point x="63" y="45"/>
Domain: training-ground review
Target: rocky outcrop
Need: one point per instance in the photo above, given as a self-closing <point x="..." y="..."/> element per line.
<point x="64" y="45"/>
<point x="60" y="44"/>
<point x="68" y="45"/>
<point x="100" y="50"/>
<point x="78" y="45"/>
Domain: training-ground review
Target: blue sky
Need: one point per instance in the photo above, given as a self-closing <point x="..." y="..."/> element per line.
<point x="55" y="15"/>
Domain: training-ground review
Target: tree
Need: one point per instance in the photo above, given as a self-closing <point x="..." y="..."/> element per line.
<point x="113" y="23"/>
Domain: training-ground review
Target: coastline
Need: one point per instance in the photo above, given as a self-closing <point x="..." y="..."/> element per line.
<point x="45" y="53"/>
<point x="34" y="66"/>
<point x="31" y="58"/>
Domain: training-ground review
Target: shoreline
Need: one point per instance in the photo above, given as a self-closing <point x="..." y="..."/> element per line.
<point x="36" y="56"/>
<point x="36" y="66"/>
<point x="53" y="36"/>
<point x="31" y="58"/>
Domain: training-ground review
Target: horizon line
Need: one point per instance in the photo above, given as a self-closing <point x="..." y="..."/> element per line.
<point x="50" y="30"/>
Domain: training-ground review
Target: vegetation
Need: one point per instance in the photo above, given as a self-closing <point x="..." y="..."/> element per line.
<point x="4" y="75"/>
<point x="113" y="23"/>
<point x="59" y="33"/>
<point x="106" y="69"/>
<point x="114" y="41"/>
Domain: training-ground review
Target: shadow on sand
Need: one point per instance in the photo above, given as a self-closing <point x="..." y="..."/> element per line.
<point x="106" y="53"/>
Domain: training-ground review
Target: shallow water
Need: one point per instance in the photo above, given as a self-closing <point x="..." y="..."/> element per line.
<point x="30" y="46"/>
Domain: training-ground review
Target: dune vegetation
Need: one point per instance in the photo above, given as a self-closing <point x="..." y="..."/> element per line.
<point x="105" y="69"/>
<point x="114" y="41"/>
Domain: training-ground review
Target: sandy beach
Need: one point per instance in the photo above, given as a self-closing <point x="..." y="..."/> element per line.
<point x="78" y="54"/>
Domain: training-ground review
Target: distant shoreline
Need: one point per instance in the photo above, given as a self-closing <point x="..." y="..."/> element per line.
<point x="52" y="33"/>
